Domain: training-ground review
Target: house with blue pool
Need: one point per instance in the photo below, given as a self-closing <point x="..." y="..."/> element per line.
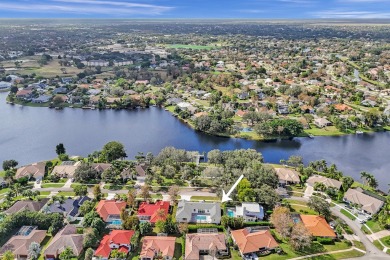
<point x="198" y="212"/>
<point x="249" y="211"/>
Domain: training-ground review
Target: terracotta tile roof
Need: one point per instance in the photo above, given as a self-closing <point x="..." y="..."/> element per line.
<point x="105" y="208"/>
<point x="118" y="237"/>
<point x="147" y="209"/>
<point x="198" y="242"/>
<point x="67" y="237"/>
<point x="249" y="242"/>
<point x="163" y="245"/>
<point x="317" y="226"/>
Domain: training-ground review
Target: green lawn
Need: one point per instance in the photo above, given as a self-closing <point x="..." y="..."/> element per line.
<point x="374" y="226"/>
<point x="378" y="245"/>
<point x="386" y="241"/>
<point x="178" y="248"/>
<point x="303" y="209"/>
<point x="2" y="173"/>
<point x="349" y="215"/>
<point x="46" y="241"/>
<point x="359" y="245"/>
<point x="196" y="198"/>
<point x="343" y="255"/>
<point x="326" y="131"/>
<point x="67" y="193"/>
<point x="52" y="185"/>
<point x="4" y="191"/>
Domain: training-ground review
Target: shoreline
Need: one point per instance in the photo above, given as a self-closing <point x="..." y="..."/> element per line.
<point x="241" y="135"/>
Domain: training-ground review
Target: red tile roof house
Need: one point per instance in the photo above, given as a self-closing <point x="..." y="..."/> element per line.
<point x="148" y="212"/>
<point x="117" y="239"/>
<point x="252" y="241"/>
<point x="156" y="246"/>
<point x="110" y="211"/>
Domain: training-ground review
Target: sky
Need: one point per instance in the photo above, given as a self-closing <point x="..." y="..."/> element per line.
<point x="264" y="9"/>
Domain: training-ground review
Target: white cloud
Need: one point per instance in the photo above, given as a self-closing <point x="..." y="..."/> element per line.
<point x="112" y="8"/>
<point x="251" y="11"/>
<point x="298" y="1"/>
<point x="331" y="14"/>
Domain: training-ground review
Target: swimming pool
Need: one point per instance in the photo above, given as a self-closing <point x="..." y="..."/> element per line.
<point x="116" y="222"/>
<point x="201" y="217"/>
<point x="230" y="213"/>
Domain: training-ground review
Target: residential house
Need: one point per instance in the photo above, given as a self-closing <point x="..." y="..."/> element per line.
<point x="35" y="171"/>
<point x="153" y="212"/>
<point x="25" y="94"/>
<point x="69" y="207"/>
<point x="241" y="113"/>
<point x="367" y="203"/>
<point x="65" y="238"/>
<point x="101" y="167"/>
<point x="253" y="240"/>
<point x="317" y="226"/>
<point x="198" y="212"/>
<point x="243" y="95"/>
<point x="41" y="99"/>
<point x="20" y="243"/>
<point x="117" y="239"/>
<point x="322" y="122"/>
<point x="65" y="171"/>
<point x="249" y="211"/>
<point x="212" y="244"/>
<point x="5" y="85"/>
<point x="282" y="108"/>
<point x="110" y="210"/>
<point x="287" y="176"/>
<point x="29" y="205"/>
<point x="60" y="90"/>
<point x="3" y="183"/>
<point x="329" y="183"/>
<point x="160" y="246"/>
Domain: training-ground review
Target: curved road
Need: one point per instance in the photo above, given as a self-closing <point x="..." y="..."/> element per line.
<point x="372" y="252"/>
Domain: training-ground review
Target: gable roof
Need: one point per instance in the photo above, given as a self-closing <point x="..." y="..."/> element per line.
<point x="317" y="226"/>
<point x="326" y="181"/>
<point x="19" y="244"/>
<point x="286" y="174"/>
<point x="250" y="242"/>
<point x="197" y="242"/>
<point x="36" y="170"/>
<point x="29" y="205"/>
<point x="101" y="167"/>
<point x="147" y="209"/>
<point x="368" y="203"/>
<point x="151" y="245"/>
<point x="67" y="237"/>
<point x="105" y="208"/>
<point x="118" y="237"/>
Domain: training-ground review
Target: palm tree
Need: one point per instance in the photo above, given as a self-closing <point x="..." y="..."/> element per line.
<point x="161" y="214"/>
<point x="363" y="176"/>
<point x="17" y="188"/>
<point x="372" y="182"/>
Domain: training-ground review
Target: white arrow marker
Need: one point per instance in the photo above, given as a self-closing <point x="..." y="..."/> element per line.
<point x="225" y="196"/>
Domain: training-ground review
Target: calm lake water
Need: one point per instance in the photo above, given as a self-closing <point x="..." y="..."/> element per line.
<point x="30" y="134"/>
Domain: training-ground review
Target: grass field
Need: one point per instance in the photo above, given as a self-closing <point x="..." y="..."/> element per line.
<point x="67" y="193"/>
<point x="196" y="198"/>
<point x="189" y="46"/>
<point x="374" y="226"/>
<point x="349" y="215"/>
<point x="326" y="131"/>
<point x="53" y="185"/>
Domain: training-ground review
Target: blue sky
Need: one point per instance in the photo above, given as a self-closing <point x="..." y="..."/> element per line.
<point x="307" y="9"/>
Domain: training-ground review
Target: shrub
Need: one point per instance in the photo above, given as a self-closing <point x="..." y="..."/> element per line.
<point x="194" y="227"/>
<point x="325" y="240"/>
<point x="260" y="223"/>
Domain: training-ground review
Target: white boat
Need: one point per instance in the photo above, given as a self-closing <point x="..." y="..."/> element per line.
<point x="359" y="132"/>
<point x="311" y="136"/>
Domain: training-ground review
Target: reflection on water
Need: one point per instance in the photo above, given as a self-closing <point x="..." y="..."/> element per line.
<point x="30" y="134"/>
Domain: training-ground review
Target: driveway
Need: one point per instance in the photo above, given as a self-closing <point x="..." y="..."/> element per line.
<point x="308" y="192"/>
<point x="379" y="235"/>
<point x="67" y="183"/>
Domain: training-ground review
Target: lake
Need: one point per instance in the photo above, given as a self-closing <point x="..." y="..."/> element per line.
<point x="30" y="134"/>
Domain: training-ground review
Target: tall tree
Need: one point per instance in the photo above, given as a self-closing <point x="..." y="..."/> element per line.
<point x="60" y="149"/>
<point x="320" y="205"/>
<point x="113" y="151"/>
<point x="347" y="182"/>
<point x="131" y="198"/>
<point x="33" y="251"/>
<point x="300" y="237"/>
<point x="67" y="254"/>
<point x="9" y="164"/>
<point x="80" y="190"/>
<point x="97" y="192"/>
<point x="145" y="192"/>
<point x="282" y="221"/>
<point x="173" y="193"/>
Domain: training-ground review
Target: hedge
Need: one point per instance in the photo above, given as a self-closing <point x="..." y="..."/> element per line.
<point x="260" y="223"/>
<point x="195" y="227"/>
<point x="325" y="240"/>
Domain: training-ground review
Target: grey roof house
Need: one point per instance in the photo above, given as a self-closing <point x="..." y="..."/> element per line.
<point x="69" y="208"/>
<point x="29" y="205"/>
<point x="198" y="212"/>
<point x="249" y="211"/>
<point x="367" y="204"/>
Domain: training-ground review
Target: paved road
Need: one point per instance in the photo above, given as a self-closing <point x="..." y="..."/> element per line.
<point x="372" y="252"/>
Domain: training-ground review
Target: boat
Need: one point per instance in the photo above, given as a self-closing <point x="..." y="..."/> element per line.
<point x="359" y="132"/>
<point x="311" y="136"/>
